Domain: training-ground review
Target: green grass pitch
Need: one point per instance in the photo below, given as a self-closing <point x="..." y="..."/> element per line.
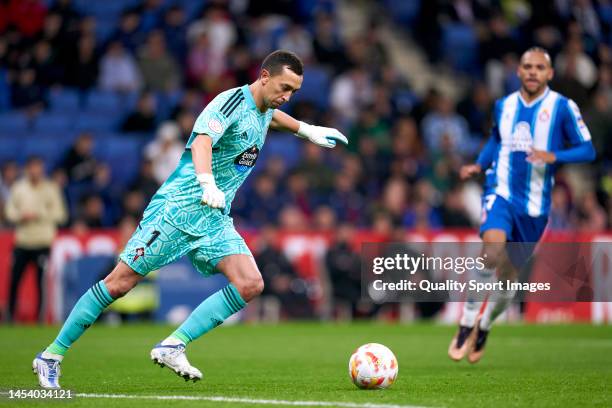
<point x="525" y="366"/>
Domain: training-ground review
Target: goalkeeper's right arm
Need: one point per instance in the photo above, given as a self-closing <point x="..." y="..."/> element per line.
<point x="201" y="154"/>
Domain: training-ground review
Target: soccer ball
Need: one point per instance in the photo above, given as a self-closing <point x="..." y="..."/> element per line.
<point x="373" y="366"/>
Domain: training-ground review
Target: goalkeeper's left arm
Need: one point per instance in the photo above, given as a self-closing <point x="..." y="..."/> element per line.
<point x="319" y="135"/>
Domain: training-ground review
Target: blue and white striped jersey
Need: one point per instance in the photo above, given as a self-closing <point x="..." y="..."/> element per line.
<point x="553" y="123"/>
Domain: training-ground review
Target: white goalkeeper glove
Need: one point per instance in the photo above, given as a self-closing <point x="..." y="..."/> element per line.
<point x="211" y="196"/>
<point x="321" y="136"/>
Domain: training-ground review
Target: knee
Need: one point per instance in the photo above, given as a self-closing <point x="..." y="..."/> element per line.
<point x="249" y="286"/>
<point x="119" y="283"/>
<point x="118" y="288"/>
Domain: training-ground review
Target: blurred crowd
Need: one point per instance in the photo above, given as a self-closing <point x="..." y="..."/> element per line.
<point x="400" y="169"/>
<point x="401" y="165"/>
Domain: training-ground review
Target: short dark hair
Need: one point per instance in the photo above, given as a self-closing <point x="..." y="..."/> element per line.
<point x="278" y="59"/>
<point x="34" y="159"/>
<point x="540" y="50"/>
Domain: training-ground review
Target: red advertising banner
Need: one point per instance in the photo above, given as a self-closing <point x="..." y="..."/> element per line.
<point x="306" y="251"/>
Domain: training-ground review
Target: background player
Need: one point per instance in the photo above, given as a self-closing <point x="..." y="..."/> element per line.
<point x="189" y="216"/>
<point x="532" y="129"/>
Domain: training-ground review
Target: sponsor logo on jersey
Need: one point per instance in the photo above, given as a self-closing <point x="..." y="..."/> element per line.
<point x="246" y="160"/>
<point x="521" y="139"/>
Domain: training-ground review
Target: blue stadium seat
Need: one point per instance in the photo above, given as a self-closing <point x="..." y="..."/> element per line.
<point x="5" y="92"/>
<point x="281" y="144"/>
<point x="65" y="100"/>
<point x="51" y="150"/>
<point x="12" y="148"/>
<point x="105" y="27"/>
<point x="11" y="122"/>
<point x="123" y="155"/>
<point x="54" y="122"/>
<point x="104" y="102"/>
<point x="403" y="12"/>
<point x="315" y="87"/>
<point x="96" y="122"/>
<point x="460" y="47"/>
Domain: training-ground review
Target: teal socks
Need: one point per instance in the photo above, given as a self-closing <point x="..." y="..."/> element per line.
<point x="83" y="314"/>
<point x="210" y="314"/>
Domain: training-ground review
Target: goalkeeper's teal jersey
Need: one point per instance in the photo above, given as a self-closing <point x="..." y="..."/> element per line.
<point x="238" y="131"/>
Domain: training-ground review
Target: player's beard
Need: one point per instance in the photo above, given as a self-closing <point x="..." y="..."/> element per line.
<point x="535" y="91"/>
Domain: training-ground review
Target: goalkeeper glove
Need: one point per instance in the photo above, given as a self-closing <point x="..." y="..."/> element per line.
<point x="321" y="136"/>
<point x="211" y="196"/>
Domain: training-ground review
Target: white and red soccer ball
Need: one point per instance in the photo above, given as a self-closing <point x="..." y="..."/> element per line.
<point x="373" y="366"/>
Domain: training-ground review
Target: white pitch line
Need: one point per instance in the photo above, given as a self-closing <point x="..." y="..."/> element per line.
<point x="248" y="401"/>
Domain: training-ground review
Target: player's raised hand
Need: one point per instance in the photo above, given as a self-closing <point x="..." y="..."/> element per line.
<point x="320" y="135"/>
<point x="469" y="170"/>
<point x="211" y="195"/>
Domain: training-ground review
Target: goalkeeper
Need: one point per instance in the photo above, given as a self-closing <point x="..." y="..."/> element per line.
<point x="189" y="216"/>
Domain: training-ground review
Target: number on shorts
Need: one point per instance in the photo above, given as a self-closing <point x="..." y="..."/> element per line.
<point x="489" y="201"/>
<point x="154" y="236"/>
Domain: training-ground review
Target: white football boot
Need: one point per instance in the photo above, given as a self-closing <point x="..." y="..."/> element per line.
<point x="47" y="370"/>
<point x="173" y="357"/>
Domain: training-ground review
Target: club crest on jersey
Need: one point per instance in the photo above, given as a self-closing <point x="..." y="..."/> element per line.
<point x="139" y="253"/>
<point x="246" y="160"/>
<point x="215" y="126"/>
<point x="544" y="116"/>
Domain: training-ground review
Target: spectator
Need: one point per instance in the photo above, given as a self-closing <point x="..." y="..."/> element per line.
<point x="145" y="181"/>
<point x="350" y="92"/>
<point x="79" y="164"/>
<point x="327" y="46"/>
<point x="219" y="29"/>
<point x="175" y="32"/>
<point x="582" y="67"/>
<point x="129" y="33"/>
<point x="36" y="207"/>
<point x="165" y="151"/>
<point x="319" y="175"/>
<point x="263" y="205"/>
<point x="346" y="201"/>
<point x="343" y="265"/>
<point x="590" y="216"/>
<point x="26" y="93"/>
<point x="8" y="175"/>
<point x="443" y="123"/>
<point x="143" y="118"/>
<point x="118" y="70"/>
<point x="299" y="41"/>
<point x="280" y="279"/>
<point x="159" y="69"/>
<point x="560" y="207"/>
<point x="91" y="212"/>
<point x="82" y="69"/>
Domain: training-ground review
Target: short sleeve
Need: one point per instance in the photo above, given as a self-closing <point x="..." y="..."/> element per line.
<point x="217" y="116"/>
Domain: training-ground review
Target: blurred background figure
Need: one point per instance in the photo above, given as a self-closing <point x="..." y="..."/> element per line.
<point x="35" y="206"/>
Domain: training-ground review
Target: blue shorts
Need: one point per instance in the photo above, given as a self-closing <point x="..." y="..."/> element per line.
<point x="523" y="230"/>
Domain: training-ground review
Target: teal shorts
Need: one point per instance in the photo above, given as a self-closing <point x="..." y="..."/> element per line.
<point x="157" y="242"/>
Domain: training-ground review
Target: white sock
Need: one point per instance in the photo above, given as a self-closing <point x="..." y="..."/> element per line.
<point x="474" y="301"/>
<point x="470" y="313"/>
<point x="171" y="341"/>
<point x="52" y="356"/>
<point x="498" y="303"/>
